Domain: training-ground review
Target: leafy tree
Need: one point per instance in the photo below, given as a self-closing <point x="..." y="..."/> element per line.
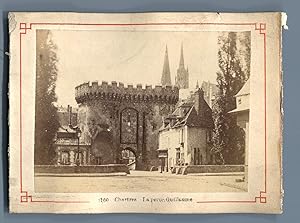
<point x="46" y="117"/>
<point x="244" y="46"/>
<point x="228" y="137"/>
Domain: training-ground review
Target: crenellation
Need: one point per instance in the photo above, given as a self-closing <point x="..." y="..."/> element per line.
<point x="84" y="88"/>
<point x="148" y="87"/>
<point x="94" y="87"/>
<point x="114" y="84"/>
<point x="95" y="84"/>
<point x="116" y="91"/>
<point x="130" y="86"/>
<point x="104" y="84"/>
<point x="158" y="88"/>
<point x="169" y="88"/>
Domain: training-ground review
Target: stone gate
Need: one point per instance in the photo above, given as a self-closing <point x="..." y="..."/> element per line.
<point x="114" y="117"/>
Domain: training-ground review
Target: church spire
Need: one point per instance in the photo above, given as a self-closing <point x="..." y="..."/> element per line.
<point x="166" y="74"/>
<point x="182" y="77"/>
<point x="181" y="62"/>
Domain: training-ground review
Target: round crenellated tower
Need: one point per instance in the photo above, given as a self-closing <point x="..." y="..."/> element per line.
<point x="117" y="119"/>
<point x="118" y="92"/>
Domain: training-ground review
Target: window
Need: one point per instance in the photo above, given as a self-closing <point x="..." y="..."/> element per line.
<point x="177" y="156"/>
<point x="198" y="159"/>
<point x="129" y="124"/>
<point x="79" y="156"/>
<point x="65" y="158"/>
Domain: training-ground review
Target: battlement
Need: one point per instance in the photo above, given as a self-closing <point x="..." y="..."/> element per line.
<point x="118" y="91"/>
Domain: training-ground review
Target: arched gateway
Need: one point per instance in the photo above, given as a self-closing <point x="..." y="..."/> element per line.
<point x="123" y="117"/>
<point x="128" y="157"/>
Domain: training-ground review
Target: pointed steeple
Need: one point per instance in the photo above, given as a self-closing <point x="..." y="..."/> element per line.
<point x="166" y="74"/>
<point x="181" y="61"/>
<point x="182" y="77"/>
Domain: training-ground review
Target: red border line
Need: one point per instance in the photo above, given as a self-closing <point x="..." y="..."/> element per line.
<point x="262" y="30"/>
<point x="21" y="139"/>
<point x="141" y="24"/>
<point x="265" y="97"/>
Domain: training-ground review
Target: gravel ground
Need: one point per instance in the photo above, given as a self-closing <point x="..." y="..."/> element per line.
<point x="139" y="181"/>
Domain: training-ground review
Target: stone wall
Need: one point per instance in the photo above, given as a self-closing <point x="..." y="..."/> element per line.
<point x="213" y="168"/>
<point x="197" y="140"/>
<point x="132" y="115"/>
<point x="112" y="168"/>
<point x="118" y="92"/>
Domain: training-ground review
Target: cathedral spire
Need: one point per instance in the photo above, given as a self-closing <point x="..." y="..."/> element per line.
<point x="182" y="77"/>
<point x="166" y="74"/>
<point x="181" y="62"/>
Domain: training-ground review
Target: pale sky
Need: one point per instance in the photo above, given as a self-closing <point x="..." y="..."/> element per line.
<point x="130" y="57"/>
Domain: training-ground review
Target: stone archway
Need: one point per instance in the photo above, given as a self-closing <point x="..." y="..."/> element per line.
<point x="128" y="157"/>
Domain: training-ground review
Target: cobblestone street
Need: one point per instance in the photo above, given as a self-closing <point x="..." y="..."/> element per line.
<point x="139" y="181"/>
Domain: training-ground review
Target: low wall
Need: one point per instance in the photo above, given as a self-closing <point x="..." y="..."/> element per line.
<point x="110" y="168"/>
<point x="210" y="169"/>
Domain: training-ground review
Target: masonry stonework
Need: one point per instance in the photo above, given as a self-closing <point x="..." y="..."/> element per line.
<point x="114" y="117"/>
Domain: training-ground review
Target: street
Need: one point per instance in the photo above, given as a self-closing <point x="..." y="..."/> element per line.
<point x="139" y="181"/>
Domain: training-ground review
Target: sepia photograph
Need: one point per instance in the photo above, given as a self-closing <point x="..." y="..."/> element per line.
<point x="141" y="111"/>
<point x="145" y="113"/>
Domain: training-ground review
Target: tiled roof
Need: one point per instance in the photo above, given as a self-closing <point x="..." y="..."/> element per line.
<point x="186" y="115"/>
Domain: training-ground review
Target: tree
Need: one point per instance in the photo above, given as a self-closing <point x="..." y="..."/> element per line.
<point x="46" y="117"/>
<point x="244" y="45"/>
<point x="228" y="137"/>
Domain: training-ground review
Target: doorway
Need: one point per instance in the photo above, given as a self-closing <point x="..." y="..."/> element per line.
<point x="128" y="157"/>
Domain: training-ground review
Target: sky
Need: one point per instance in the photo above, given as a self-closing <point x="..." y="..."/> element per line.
<point x="130" y="57"/>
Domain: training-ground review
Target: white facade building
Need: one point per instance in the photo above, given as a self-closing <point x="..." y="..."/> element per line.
<point x="185" y="138"/>
<point x="242" y="114"/>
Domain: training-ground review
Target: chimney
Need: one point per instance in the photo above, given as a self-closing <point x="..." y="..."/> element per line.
<point x="199" y="102"/>
<point x="70" y="114"/>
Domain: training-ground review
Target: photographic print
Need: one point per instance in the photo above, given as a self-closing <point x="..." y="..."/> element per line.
<point x="168" y="110"/>
<point x="171" y="122"/>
